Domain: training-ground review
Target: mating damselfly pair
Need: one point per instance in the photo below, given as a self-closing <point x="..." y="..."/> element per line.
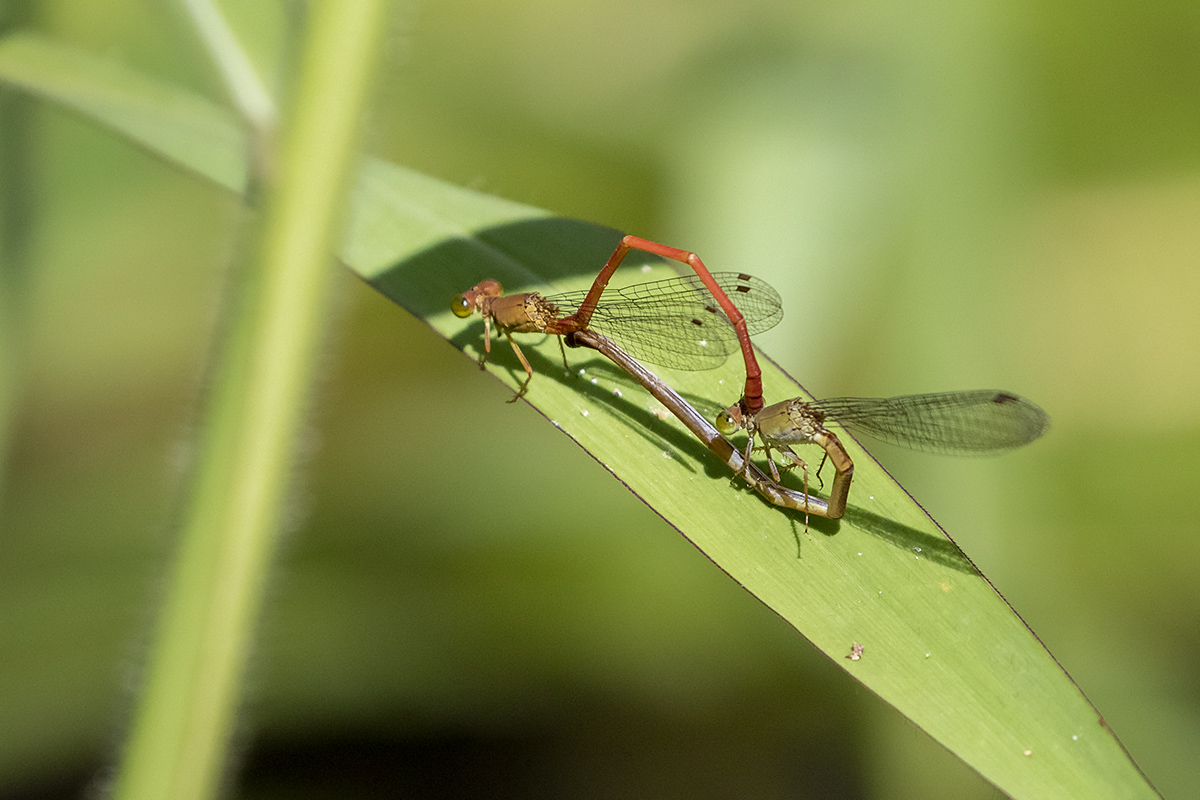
<point x="695" y="322"/>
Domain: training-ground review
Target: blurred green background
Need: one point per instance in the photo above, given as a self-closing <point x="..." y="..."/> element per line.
<point x="948" y="195"/>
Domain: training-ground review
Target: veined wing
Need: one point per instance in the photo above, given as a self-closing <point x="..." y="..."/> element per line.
<point x="972" y="422"/>
<point x="677" y="322"/>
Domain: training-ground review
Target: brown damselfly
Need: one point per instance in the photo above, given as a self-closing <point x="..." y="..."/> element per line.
<point x="976" y="422"/>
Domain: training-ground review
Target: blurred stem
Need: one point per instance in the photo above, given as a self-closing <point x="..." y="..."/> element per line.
<point x="15" y="189"/>
<point x="185" y="715"/>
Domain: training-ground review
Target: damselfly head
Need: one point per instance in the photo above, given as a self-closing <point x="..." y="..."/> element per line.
<point x="729" y="421"/>
<point x="465" y="304"/>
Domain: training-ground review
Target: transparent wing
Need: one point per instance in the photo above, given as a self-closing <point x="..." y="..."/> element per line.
<point x="677" y="322"/>
<point x="974" y="422"/>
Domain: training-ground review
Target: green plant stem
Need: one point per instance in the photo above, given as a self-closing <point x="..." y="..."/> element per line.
<point x="15" y="139"/>
<point x="185" y="716"/>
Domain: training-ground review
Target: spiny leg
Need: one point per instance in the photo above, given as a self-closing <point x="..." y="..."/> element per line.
<point x="524" y="363"/>
<point x="793" y="459"/>
<point x="487" y="341"/>
<point x="788" y="454"/>
<point x="797" y="461"/>
<point x="745" y="468"/>
<point x="766" y="448"/>
<point x="563" y="350"/>
<point x="824" y="458"/>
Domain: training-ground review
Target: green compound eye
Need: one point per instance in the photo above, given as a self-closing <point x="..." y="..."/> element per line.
<point x="726" y="424"/>
<point x="461" y="306"/>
